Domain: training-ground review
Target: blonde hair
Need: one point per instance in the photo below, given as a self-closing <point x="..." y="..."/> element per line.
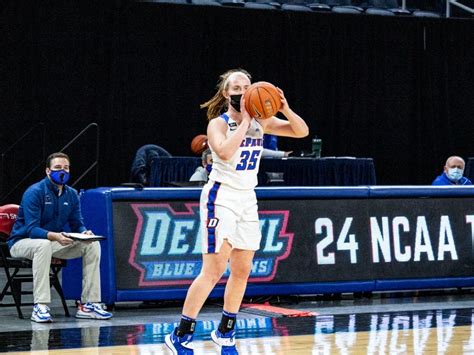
<point x="218" y="102"/>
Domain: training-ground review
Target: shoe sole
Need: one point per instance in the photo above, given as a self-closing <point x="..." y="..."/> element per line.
<point x="94" y="317"/>
<point x="170" y="345"/>
<point x="214" y="339"/>
<point x="50" y="320"/>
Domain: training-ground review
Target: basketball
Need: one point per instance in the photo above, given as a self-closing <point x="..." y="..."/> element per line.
<point x="199" y="144"/>
<point x="262" y="100"/>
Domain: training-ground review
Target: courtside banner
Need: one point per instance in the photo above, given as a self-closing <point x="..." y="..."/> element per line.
<point x="157" y="243"/>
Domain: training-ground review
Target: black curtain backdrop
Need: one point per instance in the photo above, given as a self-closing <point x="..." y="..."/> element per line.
<point x="399" y="90"/>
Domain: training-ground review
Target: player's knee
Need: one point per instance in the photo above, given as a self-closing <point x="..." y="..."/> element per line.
<point x="212" y="277"/>
<point x="240" y="272"/>
<point x="213" y="274"/>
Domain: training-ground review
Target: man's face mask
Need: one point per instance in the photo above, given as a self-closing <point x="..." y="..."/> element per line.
<point x="59" y="177"/>
<point x="209" y="168"/>
<point x="235" y="101"/>
<point x="455" y="174"/>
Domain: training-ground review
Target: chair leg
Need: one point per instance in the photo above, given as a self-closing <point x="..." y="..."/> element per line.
<point x="5" y="289"/>
<point x="16" y="293"/>
<point x="9" y="280"/>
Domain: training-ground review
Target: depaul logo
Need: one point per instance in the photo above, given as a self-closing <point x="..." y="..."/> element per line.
<point x="167" y="244"/>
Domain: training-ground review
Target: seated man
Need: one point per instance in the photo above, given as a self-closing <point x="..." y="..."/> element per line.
<point x="46" y="208"/>
<point x="202" y="172"/>
<point x="452" y="174"/>
<point x="141" y="165"/>
<point x="270" y="147"/>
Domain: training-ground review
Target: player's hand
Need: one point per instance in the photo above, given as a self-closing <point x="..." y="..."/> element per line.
<point x="287" y="153"/>
<point x="284" y="103"/>
<point x="245" y="115"/>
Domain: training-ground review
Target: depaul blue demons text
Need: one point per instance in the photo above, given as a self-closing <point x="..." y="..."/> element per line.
<point x="166" y="247"/>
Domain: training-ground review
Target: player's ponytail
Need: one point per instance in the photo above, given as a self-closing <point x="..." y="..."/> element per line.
<point x="215" y="105"/>
<point x="218" y="102"/>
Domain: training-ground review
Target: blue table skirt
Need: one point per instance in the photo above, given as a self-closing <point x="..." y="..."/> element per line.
<point x="296" y="171"/>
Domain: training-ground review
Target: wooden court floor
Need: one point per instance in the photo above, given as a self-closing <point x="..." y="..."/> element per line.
<point x="421" y="328"/>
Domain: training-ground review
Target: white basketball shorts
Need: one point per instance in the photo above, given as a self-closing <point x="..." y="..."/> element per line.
<point x="231" y="214"/>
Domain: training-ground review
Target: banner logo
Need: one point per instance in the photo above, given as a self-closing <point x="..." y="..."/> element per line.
<point x="166" y="248"/>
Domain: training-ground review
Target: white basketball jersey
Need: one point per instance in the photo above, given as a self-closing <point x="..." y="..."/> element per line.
<point x="240" y="172"/>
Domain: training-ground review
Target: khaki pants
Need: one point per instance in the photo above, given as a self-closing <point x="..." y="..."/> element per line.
<point x="40" y="252"/>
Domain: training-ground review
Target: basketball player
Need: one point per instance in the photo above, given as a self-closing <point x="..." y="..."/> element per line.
<point x="228" y="206"/>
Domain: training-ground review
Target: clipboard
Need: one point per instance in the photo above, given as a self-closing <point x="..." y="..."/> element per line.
<point x="83" y="237"/>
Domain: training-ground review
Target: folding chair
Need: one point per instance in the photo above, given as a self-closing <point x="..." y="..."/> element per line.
<point x="18" y="270"/>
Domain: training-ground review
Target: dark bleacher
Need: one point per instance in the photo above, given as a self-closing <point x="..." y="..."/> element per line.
<point x="419" y="8"/>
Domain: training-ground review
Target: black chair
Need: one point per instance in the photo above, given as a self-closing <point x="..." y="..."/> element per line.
<point x="385" y="8"/>
<point x="179" y="2"/>
<point x="205" y="2"/>
<point x="262" y="4"/>
<point x="343" y="7"/>
<point x="141" y="165"/>
<point x="295" y="5"/>
<point x="394" y="6"/>
<point x="345" y="10"/>
<point x="318" y="7"/>
<point x="18" y="270"/>
<point x="378" y="11"/>
<point x="234" y="3"/>
<point x="425" y="13"/>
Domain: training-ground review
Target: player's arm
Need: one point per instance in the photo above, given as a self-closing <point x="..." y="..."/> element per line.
<point x="294" y="127"/>
<point x="225" y="147"/>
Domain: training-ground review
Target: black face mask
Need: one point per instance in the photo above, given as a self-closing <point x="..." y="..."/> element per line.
<point x="235" y="101"/>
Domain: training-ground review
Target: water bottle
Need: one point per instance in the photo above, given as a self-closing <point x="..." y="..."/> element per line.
<point x="316" y="144"/>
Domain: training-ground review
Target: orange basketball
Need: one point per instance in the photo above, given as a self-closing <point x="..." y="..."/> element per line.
<point x="262" y="100"/>
<point x="199" y="144"/>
